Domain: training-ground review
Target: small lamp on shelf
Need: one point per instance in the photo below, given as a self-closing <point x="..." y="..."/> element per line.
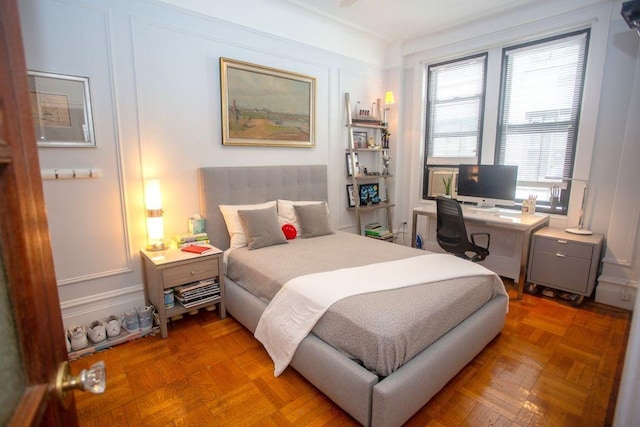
<point x="388" y="100"/>
<point x="155" y="226"/>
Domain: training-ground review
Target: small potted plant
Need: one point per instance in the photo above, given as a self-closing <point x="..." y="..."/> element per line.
<point x="447" y="185"/>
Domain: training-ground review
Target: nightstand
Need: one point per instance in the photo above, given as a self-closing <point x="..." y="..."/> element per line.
<point x="173" y="268"/>
<point x="565" y="261"/>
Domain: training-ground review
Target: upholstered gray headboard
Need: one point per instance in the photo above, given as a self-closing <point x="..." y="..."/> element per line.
<point x="254" y="184"/>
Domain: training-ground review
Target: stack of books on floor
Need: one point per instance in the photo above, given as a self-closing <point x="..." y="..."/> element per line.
<point x="197" y="293"/>
<point x="186" y="239"/>
<point x="377" y="231"/>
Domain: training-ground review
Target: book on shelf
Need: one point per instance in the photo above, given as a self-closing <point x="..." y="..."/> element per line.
<point x="199" y="249"/>
<point x="193" y="303"/>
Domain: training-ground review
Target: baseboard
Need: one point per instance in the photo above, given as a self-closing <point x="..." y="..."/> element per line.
<point x="81" y="311"/>
<point x="616" y="292"/>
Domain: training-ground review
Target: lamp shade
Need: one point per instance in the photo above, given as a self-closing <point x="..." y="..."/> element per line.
<point x="388" y="98"/>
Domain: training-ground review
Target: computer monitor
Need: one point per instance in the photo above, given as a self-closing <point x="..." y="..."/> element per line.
<point x="487" y="185"/>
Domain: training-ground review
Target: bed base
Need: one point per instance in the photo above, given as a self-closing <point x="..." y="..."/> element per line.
<point x="396" y="398"/>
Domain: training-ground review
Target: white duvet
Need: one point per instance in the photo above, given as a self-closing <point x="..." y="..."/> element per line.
<point x="300" y="303"/>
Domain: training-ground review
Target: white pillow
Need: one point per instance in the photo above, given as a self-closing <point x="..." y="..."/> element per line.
<point x="234" y="225"/>
<point x="287" y="215"/>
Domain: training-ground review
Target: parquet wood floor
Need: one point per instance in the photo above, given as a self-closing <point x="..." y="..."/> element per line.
<point x="552" y="365"/>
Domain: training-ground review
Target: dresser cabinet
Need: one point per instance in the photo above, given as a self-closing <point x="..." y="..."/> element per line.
<point x="564" y="261"/>
<point x="166" y="270"/>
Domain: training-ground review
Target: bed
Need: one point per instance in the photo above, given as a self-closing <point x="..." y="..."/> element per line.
<point x="377" y="388"/>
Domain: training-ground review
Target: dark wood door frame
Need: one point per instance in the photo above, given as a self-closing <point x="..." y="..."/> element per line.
<point x="26" y="248"/>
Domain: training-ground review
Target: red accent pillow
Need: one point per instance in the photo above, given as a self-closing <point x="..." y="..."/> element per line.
<point x="289" y="231"/>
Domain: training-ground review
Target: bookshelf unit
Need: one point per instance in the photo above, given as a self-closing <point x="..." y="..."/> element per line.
<point x="367" y="160"/>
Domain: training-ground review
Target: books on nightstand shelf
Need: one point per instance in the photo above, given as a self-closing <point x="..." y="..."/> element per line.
<point x="196" y="293"/>
<point x="187" y="239"/>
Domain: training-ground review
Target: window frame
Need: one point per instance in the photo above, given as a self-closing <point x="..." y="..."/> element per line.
<point x="573" y="124"/>
<point x="435" y="160"/>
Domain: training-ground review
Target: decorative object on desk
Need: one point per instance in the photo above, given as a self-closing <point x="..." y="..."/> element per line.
<point x="554" y="198"/>
<point x="369" y="194"/>
<point x="529" y="204"/>
<point x="351" y="163"/>
<point x="263" y="106"/>
<point x="155" y="227"/>
<point x="371" y="142"/>
<point x="360" y="139"/>
<point x="61" y="110"/>
<point x="388" y="100"/>
<point x="351" y="201"/>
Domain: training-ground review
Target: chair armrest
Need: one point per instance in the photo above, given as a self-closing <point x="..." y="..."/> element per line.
<point x="473" y="239"/>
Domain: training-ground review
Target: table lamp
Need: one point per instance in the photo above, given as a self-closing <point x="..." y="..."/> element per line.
<point x="155" y="227"/>
<point x="388" y="100"/>
<point x="579" y="229"/>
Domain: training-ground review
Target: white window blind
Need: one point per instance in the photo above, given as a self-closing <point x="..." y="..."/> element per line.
<point x="540" y="107"/>
<point x="455" y="104"/>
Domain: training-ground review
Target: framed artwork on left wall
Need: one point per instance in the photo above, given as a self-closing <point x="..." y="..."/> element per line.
<point x="61" y="110"/>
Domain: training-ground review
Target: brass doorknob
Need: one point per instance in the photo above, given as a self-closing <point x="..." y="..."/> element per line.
<point x="93" y="379"/>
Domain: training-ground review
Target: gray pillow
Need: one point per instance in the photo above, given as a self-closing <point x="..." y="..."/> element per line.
<point x="313" y="220"/>
<point x="262" y="228"/>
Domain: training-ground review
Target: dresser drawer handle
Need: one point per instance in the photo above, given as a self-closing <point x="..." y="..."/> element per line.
<point x="564" y="242"/>
<point x="561" y="255"/>
<point x="193" y="273"/>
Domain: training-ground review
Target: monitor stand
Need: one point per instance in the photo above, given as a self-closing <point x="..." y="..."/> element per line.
<point x="484" y="207"/>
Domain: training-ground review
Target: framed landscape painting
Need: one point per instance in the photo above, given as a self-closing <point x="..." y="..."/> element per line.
<point x="263" y="106"/>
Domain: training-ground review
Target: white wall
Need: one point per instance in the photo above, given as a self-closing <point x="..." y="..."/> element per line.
<point x="155" y="92"/>
<point x="155" y="89"/>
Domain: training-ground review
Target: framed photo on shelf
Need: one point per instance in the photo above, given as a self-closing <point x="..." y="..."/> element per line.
<point x="360" y="139"/>
<point x="350" y="164"/>
<point x="351" y="201"/>
<point x="61" y="110"/>
<point x="369" y="194"/>
<point x="263" y="106"/>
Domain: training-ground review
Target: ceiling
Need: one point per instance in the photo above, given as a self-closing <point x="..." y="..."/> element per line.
<point x="393" y="20"/>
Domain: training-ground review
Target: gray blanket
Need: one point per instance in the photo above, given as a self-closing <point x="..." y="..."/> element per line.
<point x="381" y="330"/>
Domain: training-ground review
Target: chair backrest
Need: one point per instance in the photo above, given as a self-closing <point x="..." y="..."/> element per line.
<point x="451" y="232"/>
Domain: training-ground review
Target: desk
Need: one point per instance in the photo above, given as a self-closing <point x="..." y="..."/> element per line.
<point x="510" y="233"/>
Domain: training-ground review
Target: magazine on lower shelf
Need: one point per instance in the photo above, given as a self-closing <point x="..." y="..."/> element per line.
<point x="193" y="303"/>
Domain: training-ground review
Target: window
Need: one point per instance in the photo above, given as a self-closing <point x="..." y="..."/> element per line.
<point x="455" y="106"/>
<point x="541" y="94"/>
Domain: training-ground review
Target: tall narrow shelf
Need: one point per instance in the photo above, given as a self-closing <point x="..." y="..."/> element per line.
<point x="377" y="172"/>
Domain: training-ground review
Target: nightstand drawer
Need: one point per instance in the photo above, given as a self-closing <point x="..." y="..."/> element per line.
<point x="565" y="272"/>
<point x="181" y="274"/>
<point x="564" y="247"/>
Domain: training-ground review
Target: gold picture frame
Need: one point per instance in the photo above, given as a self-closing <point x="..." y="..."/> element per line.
<point x="61" y="110"/>
<point x="263" y="106"/>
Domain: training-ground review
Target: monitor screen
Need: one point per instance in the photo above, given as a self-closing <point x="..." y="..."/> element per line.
<point x="487" y="185"/>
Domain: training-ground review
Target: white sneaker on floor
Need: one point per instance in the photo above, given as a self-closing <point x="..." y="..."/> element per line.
<point x="113" y="326"/>
<point x="97" y="331"/>
<point x="145" y="317"/>
<point x="130" y="321"/>
<point x="78" y="337"/>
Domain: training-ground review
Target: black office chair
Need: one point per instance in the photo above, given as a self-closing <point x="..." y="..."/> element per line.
<point x="451" y="232"/>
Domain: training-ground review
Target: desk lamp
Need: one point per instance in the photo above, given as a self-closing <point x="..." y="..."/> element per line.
<point x="580" y="228"/>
